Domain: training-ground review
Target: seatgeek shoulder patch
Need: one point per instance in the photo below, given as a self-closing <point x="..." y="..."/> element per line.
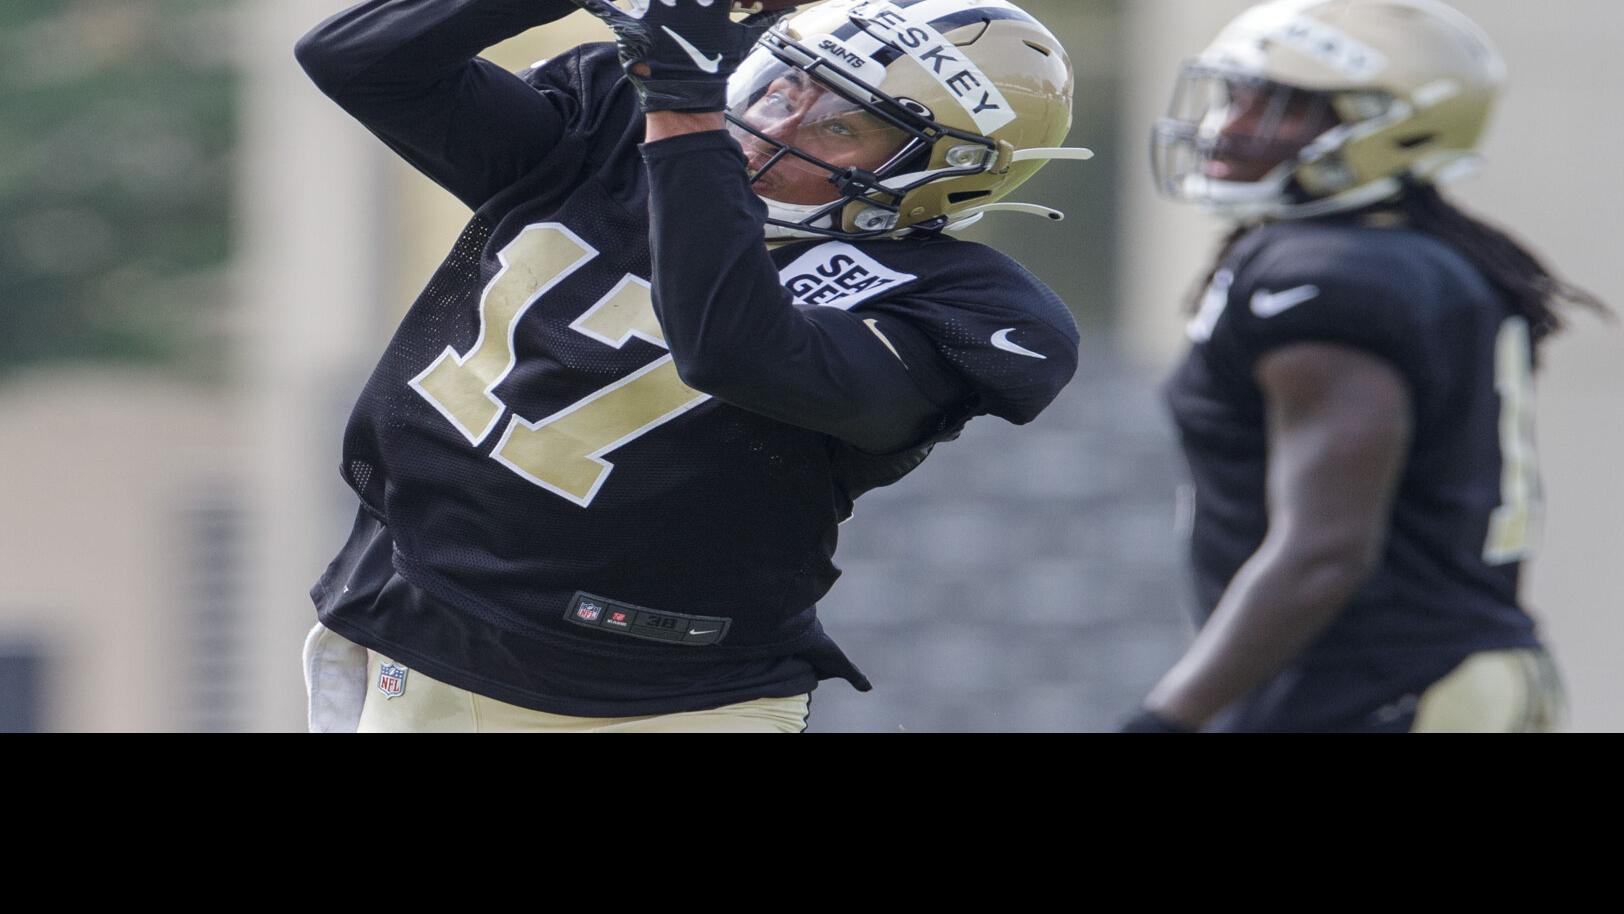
<point x="838" y="275"/>
<point x="910" y="29"/>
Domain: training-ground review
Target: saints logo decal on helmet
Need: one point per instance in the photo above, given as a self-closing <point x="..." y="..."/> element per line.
<point x="868" y="118"/>
<point x="1301" y="108"/>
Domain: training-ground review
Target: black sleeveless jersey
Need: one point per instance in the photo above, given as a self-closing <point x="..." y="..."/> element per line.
<point x="1466" y="509"/>
<point x="576" y="528"/>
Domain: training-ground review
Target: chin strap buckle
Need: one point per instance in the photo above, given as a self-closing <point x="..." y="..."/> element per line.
<point x="857" y="183"/>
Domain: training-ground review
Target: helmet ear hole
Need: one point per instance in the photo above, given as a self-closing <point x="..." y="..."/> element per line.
<point x="965" y="196"/>
<point x="1412" y="142"/>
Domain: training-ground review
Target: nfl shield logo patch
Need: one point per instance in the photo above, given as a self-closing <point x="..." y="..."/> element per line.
<point x="588" y="611"/>
<point x="392" y="680"/>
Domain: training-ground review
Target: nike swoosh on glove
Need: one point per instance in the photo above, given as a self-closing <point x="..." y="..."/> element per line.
<point x="680" y="53"/>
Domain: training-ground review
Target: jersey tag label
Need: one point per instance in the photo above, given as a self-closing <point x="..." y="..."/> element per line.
<point x="838" y="275"/>
<point x="620" y="618"/>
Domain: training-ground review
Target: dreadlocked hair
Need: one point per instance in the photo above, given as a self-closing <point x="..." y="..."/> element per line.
<point x="1530" y="288"/>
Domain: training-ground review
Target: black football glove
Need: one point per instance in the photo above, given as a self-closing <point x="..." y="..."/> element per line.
<point x="1147" y="721"/>
<point x="679" y="53"/>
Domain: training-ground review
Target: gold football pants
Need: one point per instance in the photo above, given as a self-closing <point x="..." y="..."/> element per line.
<point x="426" y="705"/>
<point x="1516" y="691"/>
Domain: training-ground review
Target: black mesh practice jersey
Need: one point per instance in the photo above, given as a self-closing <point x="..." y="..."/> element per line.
<point x="607" y="450"/>
<point x="1466" y="507"/>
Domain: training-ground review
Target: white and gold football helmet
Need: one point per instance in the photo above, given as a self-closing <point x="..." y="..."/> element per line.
<point x="1301" y="108"/>
<point x="871" y="118"/>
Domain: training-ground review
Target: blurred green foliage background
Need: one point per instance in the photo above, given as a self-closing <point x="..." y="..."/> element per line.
<point x="117" y="121"/>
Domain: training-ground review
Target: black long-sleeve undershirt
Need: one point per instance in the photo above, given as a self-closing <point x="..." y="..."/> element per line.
<point x="735" y="332"/>
<point x="409" y="71"/>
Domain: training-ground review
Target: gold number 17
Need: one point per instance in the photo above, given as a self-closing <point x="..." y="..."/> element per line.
<point x="562" y="453"/>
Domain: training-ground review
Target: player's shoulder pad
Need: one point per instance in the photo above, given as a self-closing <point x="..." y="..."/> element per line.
<point x="587" y="76"/>
<point x="1405" y="272"/>
<point x="578" y="68"/>
<point x="1000" y="328"/>
<point x="1330" y="282"/>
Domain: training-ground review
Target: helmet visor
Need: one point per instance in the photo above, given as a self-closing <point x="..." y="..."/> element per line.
<point x="799" y="135"/>
<point x="1222" y="126"/>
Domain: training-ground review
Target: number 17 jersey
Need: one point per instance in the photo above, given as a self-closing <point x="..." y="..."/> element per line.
<point x="551" y="492"/>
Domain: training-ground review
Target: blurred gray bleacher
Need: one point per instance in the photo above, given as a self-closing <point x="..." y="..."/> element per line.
<point x="1023" y="579"/>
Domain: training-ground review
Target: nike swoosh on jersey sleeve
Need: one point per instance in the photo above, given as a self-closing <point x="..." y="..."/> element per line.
<point x="1269" y="304"/>
<point x="1000" y="340"/>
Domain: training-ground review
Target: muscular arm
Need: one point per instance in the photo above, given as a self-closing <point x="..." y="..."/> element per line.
<point x="734" y="331"/>
<point x="409" y="71"/>
<point x="1339" y="425"/>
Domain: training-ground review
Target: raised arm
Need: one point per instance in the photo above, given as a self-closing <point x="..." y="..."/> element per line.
<point x="409" y="71"/>
<point x="733" y="329"/>
<point x="874" y="380"/>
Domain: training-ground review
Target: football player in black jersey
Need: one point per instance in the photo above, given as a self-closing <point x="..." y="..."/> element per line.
<point x="1356" y="403"/>
<point x="705" y="301"/>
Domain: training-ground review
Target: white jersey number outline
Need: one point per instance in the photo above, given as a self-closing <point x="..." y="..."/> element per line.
<point x="1514" y="525"/>
<point x="564" y="452"/>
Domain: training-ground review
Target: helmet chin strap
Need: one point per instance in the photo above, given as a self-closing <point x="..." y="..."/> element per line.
<point x="1036" y="154"/>
<point x="971" y="216"/>
<point x="792" y="213"/>
<point x="1250" y="202"/>
<point x="1052" y="153"/>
